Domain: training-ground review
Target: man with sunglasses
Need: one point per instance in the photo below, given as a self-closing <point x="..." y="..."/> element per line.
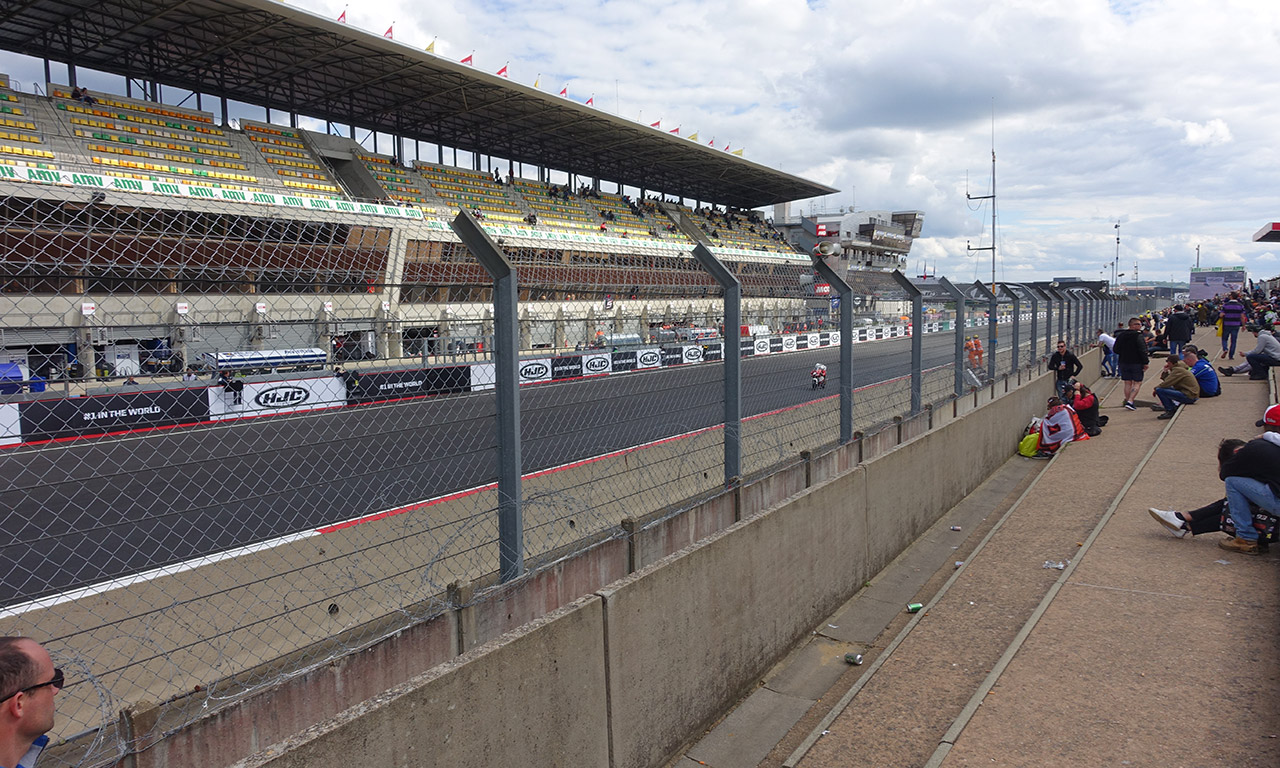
<point x="28" y="683"/>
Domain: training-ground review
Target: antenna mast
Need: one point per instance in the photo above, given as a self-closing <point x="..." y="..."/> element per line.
<point x="992" y="198"/>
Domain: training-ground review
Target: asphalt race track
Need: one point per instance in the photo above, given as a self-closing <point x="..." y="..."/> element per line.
<point x="169" y="495"/>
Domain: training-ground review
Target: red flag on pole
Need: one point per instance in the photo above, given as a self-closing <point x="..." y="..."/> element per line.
<point x="711" y="143"/>
<point x="656" y="124"/>
<point x="591" y="100"/>
<point x="342" y="17"/>
<point x="565" y="91"/>
<point x="503" y="72"/>
<point x="675" y="130"/>
<point x="387" y="34"/>
<point x="468" y="60"/>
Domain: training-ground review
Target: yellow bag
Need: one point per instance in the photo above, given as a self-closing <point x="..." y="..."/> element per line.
<point x="1219" y="327"/>
<point x="1029" y="445"/>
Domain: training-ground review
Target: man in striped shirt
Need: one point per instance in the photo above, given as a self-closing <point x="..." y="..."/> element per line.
<point x="1232" y="315"/>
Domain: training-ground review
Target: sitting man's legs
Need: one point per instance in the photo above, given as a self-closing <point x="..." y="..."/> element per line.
<point x="1241" y="491"/>
<point x="1259" y="364"/>
<point x="1172" y="398"/>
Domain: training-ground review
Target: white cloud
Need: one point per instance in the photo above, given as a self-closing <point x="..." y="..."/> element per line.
<point x="1158" y="113"/>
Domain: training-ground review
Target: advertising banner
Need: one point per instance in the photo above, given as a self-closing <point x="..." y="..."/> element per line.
<point x="10" y="424"/>
<point x="672" y="356"/>
<point x="713" y="352"/>
<point x="621" y="362"/>
<point x="788" y="343"/>
<point x="648" y="358"/>
<point x="47" y="419"/>
<point x="833" y="338"/>
<point x="568" y="367"/>
<point x="596" y="365"/>
<point x="263" y="398"/>
<point x="813" y="340"/>
<point x="533" y="371"/>
<point x="692" y="354"/>
<point x="482" y="377"/>
<point x="748" y="347"/>
<point x="391" y="385"/>
<point x="762" y="347"/>
<point x="775" y="345"/>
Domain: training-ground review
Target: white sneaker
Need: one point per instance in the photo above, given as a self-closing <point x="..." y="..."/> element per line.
<point x="1169" y="519"/>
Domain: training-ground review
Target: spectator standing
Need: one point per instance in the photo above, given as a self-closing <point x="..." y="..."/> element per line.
<point x="1131" y="352"/>
<point x="1203" y="371"/>
<point x="1232" y="316"/>
<point x="1065" y="366"/>
<point x="1107" y="343"/>
<point x="28" y="682"/>
<point x="1179" y="329"/>
<point x="1178" y="386"/>
<point x="1252" y="475"/>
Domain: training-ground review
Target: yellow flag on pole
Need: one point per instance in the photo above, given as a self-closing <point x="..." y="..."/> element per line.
<point x="431" y="46"/>
<point x="693" y="136"/>
<point x="737" y="152"/>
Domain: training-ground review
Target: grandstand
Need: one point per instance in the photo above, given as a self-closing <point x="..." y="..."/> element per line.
<point x="133" y="224"/>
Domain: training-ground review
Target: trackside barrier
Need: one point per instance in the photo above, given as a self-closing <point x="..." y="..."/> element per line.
<point x="629" y="645"/>
<point x="124" y="411"/>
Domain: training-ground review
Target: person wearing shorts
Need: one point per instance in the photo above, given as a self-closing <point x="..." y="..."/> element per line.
<point x="1132" y="360"/>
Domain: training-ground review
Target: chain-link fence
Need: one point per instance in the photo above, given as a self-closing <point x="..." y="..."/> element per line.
<point x="244" y="441"/>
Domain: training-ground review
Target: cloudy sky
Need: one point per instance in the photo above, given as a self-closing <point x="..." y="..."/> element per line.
<point x="1162" y="115"/>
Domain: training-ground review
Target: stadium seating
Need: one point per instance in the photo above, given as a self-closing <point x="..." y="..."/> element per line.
<point x="737" y="229"/>
<point x="118" y="136"/>
<point x="473" y="190"/>
<point x="20" y="139"/>
<point x="400" y="183"/>
<point x="287" y="155"/>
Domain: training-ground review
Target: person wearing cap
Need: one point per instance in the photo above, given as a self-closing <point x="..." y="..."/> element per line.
<point x="1252" y="475"/>
<point x="1178" y="329"/>
<point x="1178" y="386"/>
<point x="1265" y="354"/>
<point x="28" y="683"/>
<point x="1202" y="370"/>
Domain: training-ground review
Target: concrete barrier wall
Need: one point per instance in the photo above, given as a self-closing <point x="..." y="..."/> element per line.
<point x="534" y="698"/>
<point x="686" y="635"/>
<point x="690" y="634"/>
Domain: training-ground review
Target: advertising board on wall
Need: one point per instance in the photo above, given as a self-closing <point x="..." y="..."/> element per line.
<point x="262" y="398"/>
<point x="68" y="417"/>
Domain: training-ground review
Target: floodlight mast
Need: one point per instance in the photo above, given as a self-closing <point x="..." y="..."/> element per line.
<point x="992" y="198"/>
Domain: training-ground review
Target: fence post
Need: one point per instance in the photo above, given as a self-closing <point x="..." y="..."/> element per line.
<point x="1017" y="321"/>
<point x="958" y="296"/>
<point x="917" y="338"/>
<point x="842" y="287"/>
<point x="732" y="360"/>
<point x="506" y="374"/>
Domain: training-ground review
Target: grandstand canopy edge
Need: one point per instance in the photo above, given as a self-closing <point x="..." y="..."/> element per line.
<point x="266" y="53"/>
<point x="1270" y="233"/>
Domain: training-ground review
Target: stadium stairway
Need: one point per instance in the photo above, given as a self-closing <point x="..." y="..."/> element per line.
<point x="1144" y="649"/>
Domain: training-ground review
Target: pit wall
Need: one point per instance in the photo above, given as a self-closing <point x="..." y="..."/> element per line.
<point x="622" y="652"/>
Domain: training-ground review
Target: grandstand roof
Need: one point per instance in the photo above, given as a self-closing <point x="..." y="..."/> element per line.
<point x="264" y="52"/>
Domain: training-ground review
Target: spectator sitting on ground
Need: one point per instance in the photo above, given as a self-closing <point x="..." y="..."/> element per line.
<point x="1202" y="370"/>
<point x="1059" y="427"/>
<point x="1085" y="403"/>
<point x="1265" y="354"/>
<point x="1206" y="519"/>
<point x="1251" y="475"/>
<point x="1178" y="386"/>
